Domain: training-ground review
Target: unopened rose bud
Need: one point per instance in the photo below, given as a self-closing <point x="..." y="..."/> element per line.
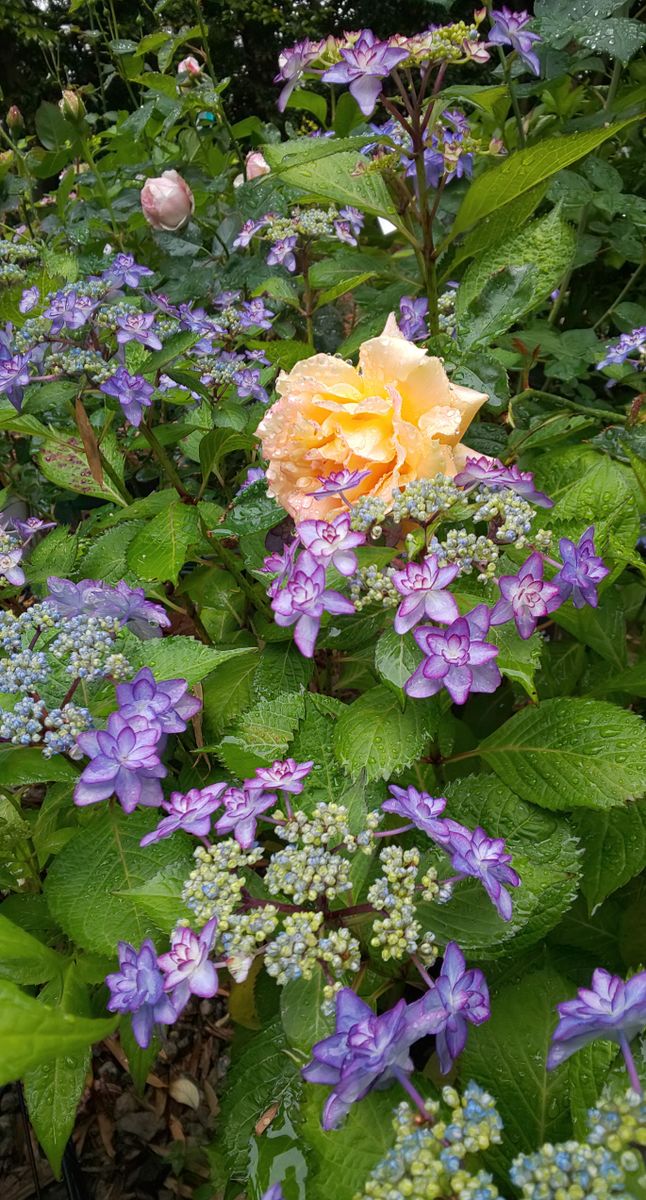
<point x="189" y="66"/>
<point x="71" y="105"/>
<point x="15" y="120"/>
<point x="167" y="201"/>
<point x="256" y="165"/>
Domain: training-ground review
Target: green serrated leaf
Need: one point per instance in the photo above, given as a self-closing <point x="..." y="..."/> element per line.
<point x="32" y="1033"/>
<point x="375" y="735"/>
<point x="181" y="657"/>
<point x="614" y="845"/>
<point x="396" y="657"/>
<point x="300" y="1011"/>
<point x="160" y="549"/>
<point x="23" y="958"/>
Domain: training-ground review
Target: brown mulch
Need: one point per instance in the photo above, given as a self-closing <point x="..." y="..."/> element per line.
<point x="126" y="1146"/>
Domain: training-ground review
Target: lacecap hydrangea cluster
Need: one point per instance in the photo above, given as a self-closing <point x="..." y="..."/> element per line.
<point x="96" y="332"/>
<point x="290" y="237"/>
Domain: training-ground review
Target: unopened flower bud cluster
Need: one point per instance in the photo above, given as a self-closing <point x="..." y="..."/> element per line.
<point x="14" y="258"/>
<point x="394" y="893"/>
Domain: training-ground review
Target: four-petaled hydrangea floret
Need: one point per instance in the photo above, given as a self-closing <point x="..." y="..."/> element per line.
<point x="508" y="28"/>
<point x="581" y="572"/>
<point x="242" y="809"/>
<point x="125" y="763"/>
<point x="124" y="270"/>
<point x="629" y="344"/>
<point x="526" y="597"/>
<point x="337" y="483"/>
<point x="364" y="1052"/>
<point x="412" y="318"/>
<point x="138" y="327"/>
<point x="475" y="855"/>
<point x="459" y="997"/>
<point x="332" y="543"/>
<point x="287" y="776"/>
<point x="93" y="597"/>
<point x="186" y="965"/>
<point x="138" y="988"/>
<point x="491" y="473"/>
<point x="292" y="64"/>
<point x="303" y="599"/>
<point x="10" y="568"/>
<point x="457" y="658"/>
<point x="133" y="392"/>
<point x="423" y="586"/>
<point x="166" y="703"/>
<point x="190" y="811"/>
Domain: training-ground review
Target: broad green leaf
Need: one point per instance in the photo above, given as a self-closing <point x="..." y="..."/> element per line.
<point x="507" y="1055"/>
<point x="603" y="628"/>
<point x="55" y="554"/>
<point x="107" y="557"/>
<point x="526" y="168"/>
<point x="314" y="743"/>
<point x="23" y="958"/>
<point x="54" y="131"/>
<point x="310" y="102"/>
<point x="262" y="734"/>
<point x="396" y="657"/>
<point x="300" y="1011"/>
<point x="614" y="849"/>
<point x="215" y="446"/>
<point x="508" y="293"/>
<point x="339" y="175"/>
<point x="503" y="222"/>
<point x="32" y="1033"/>
<point x="349" y="1153"/>
<point x="173" y="347"/>
<point x="181" y="657"/>
<point x="160" y="898"/>
<point x="587" y="1072"/>
<point x="564" y="754"/>
<point x="86" y="883"/>
<point x="63" y="461"/>
<point x="53" y="1089"/>
<point x="27" y="764"/>
<point x="375" y="735"/>
<point x="228" y="691"/>
<point x="253" y="512"/>
<point x="281" y="669"/>
<point x="263" y="1073"/>
<point x="160" y="549"/>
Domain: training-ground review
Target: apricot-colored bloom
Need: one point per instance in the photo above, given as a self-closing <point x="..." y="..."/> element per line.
<point x="395" y="416"/>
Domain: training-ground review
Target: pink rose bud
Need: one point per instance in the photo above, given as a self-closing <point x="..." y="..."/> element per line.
<point x="14" y="119"/>
<point x="71" y="105"/>
<point x="189" y="66"/>
<point x="255" y="165"/>
<point x="167" y="201"/>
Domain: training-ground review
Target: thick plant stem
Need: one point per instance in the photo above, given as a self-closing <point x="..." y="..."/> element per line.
<point x="165" y="463"/>
<point x="505" y="62"/>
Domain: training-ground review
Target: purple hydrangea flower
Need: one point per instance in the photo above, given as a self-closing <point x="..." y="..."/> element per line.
<point x="226" y="299"/>
<point x="508" y="29"/>
<point x="364" y="1052"/>
<point x="338" y="482"/>
<point x="457" y="658"/>
<point x="255" y="314"/>
<point x="302" y="601"/>
<point x="582" y="570"/>
<point x="282" y="254"/>
<point x="248" y="231"/>
<point x="29" y="299"/>
<point x="628" y="344"/>
<point x="138" y="327"/>
<point x="132" y="391"/>
<point x="475" y="855"/>
<point x="419" y="808"/>
<point x="412" y="318"/>
<point x="363" y="67"/>
<point x="190" y="811"/>
<point x="348" y="225"/>
<point x="275" y="1192"/>
<point x="69" y="599"/>
<point x="247" y="382"/>
<point x="242" y="807"/>
<point x="187" y="967"/>
<point x="138" y="988"/>
<point x="332" y="542"/>
<point x="125" y="763"/>
<point x="285" y="776"/>
<point x="10" y="568"/>
<point x="69" y="311"/>
<point x="124" y="270"/>
<point x="14" y="376"/>
<point x="423" y="587"/>
<point x="33" y="525"/>
<point x="166" y="704"/>
<point x="253" y="475"/>
<point x="130" y="607"/>
<point x="492" y="473"/>
<point x="292" y="64"/>
<point x="525" y="597"/>
<point x="459" y="998"/>
<point x="611" y="1009"/>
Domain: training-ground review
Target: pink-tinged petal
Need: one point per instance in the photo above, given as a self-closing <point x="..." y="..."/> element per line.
<point x="458" y="684"/>
<point x="446" y="575"/>
<point x="410" y="611"/>
<point x="532" y="566"/>
<point x="525" y="622"/>
<point x="334" y="602"/>
<point x="420" y="686"/>
<point x="441" y="606"/>
<point x="481" y="652"/>
<point x="305" y="635"/>
<point x="204" y="981"/>
<point x="366" y="91"/>
<point x="345" y="562"/>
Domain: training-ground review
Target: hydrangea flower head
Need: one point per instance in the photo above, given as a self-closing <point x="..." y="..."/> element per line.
<point x="459" y="998"/>
<point x="363" y="66"/>
<point x="190" y="811"/>
<point x="525" y="597"/>
<point x="508" y="29"/>
<point x="610" y="1009"/>
<point x="582" y="570"/>
<point x="10" y="568"/>
<point x="423" y="586"/>
<point x="476" y="855"/>
<point x="187" y="967"/>
<point x="124" y="763"/>
<point x="332" y="543"/>
<point x="492" y="473"/>
<point x="364" y="1052"/>
<point x="165" y="703"/>
<point x="412" y="318"/>
<point x="132" y="391"/>
<point x="138" y="988"/>
<point x="457" y="658"/>
<point x="303" y="599"/>
<point x="124" y="270"/>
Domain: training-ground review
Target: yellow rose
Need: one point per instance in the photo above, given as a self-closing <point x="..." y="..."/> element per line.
<point x="396" y="415"/>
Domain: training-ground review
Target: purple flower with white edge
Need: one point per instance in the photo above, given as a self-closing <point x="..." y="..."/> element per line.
<point x="29" y="299"/>
<point x="69" y="311"/>
<point x="138" y="988"/>
<point x="302" y="601"/>
<point x="189" y="811"/>
<point x="419" y="808"/>
<point x="255" y="314"/>
<point x="138" y="327"/>
<point x="70" y="599"/>
<point x="253" y="475"/>
<point x="628" y="344"/>
<point x="612" y="1009"/>
<point x="132" y="391"/>
<point x="423" y="587"/>
<point x="242" y="808"/>
<point x="475" y="855"/>
<point x="525" y="597"/>
<point x="364" y="1052"/>
<point x="457" y="999"/>
<point x="457" y="658"/>
<point x="285" y="776"/>
<point x="508" y="29"/>
<point x="166" y="703"/>
<point x="331" y="543"/>
<point x="343" y="231"/>
<point x="33" y="525"/>
<point x="281" y="253"/>
<point x="14" y="376"/>
<point x="582" y="570"/>
<point x="292" y="64"/>
<point x="412" y="318"/>
<point x="280" y="563"/>
<point x="364" y="66"/>
<point x="10" y="568"/>
<point x="338" y="482"/>
<point x="248" y="231"/>
<point x="248" y="385"/>
<point x="187" y="967"/>
<point x="130" y="607"/>
<point x="491" y="473"/>
<point x="125" y="763"/>
<point x="124" y="270"/>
